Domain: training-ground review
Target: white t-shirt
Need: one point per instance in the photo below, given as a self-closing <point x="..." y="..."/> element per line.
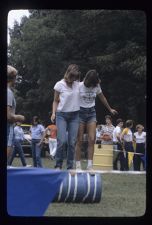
<point x="88" y="95"/>
<point x="140" y="138"/>
<point x="69" y="96"/>
<point x="127" y="135"/>
<point x="116" y="132"/>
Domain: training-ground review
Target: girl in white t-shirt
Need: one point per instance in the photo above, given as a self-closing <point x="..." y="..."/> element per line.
<point x="140" y="139"/>
<point x="89" y="89"/>
<point x="66" y="108"/>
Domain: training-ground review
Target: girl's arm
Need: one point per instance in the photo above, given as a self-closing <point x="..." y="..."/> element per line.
<point x="134" y="137"/>
<point x="118" y="137"/>
<point x="55" y="105"/>
<point x="106" y="104"/>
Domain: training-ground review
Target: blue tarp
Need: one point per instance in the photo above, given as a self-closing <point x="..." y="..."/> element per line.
<point x="31" y="190"/>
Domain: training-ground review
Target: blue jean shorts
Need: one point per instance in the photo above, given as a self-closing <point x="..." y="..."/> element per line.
<point x="87" y="115"/>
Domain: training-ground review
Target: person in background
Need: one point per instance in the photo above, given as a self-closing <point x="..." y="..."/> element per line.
<point x="11" y="106"/>
<point x="37" y="132"/>
<point x="85" y="147"/>
<point x="18" y="140"/>
<point x="127" y="139"/>
<point x="98" y="134"/>
<point x="140" y="140"/>
<point x="66" y="109"/>
<point x="117" y="145"/>
<point x="51" y="134"/>
<point x="89" y="89"/>
<point x="107" y="131"/>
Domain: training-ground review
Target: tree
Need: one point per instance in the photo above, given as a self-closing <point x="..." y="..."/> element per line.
<point x="111" y="41"/>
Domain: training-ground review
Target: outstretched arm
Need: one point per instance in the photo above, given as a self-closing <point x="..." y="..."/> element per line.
<point x="106" y="104"/>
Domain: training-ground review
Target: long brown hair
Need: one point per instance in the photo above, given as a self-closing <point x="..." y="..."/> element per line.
<point x="91" y="79"/>
<point x="72" y="74"/>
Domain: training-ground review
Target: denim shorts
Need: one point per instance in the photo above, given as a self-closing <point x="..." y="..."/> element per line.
<point x="87" y="115"/>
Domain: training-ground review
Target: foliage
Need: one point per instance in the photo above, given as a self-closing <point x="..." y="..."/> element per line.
<point x="111" y="41"/>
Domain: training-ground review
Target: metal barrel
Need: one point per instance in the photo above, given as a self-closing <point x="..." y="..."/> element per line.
<point x="82" y="187"/>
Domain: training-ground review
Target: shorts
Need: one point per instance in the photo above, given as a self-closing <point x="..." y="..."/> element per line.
<point x="87" y="115"/>
<point x="10" y="135"/>
<point x="128" y="146"/>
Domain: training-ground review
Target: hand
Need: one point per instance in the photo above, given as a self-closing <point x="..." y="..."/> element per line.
<point x="113" y="111"/>
<point x="53" y="118"/>
<point x="39" y="144"/>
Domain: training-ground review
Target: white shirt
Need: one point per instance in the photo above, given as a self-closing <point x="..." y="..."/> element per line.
<point x="127" y="135"/>
<point x="88" y="95"/>
<point x="107" y="130"/>
<point x="140" y="138"/>
<point x="69" y="96"/>
<point x="116" y="132"/>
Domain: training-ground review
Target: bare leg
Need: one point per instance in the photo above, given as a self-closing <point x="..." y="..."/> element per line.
<point x="91" y="130"/>
<point x="79" y="141"/>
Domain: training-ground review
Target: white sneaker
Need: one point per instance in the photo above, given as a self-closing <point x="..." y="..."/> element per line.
<point x="57" y="168"/>
<point x="10" y="167"/>
<point x="72" y="172"/>
<point x="91" y="170"/>
<point x="28" y="166"/>
<point x="78" y="167"/>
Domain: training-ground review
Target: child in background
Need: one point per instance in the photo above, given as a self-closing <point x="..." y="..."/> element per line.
<point x="127" y="138"/>
<point x="98" y="134"/>
<point x="37" y="132"/>
<point x="51" y="134"/>
<point x="117" y="145"/>
<point x="18" y="139"/>
<point x="107" y="131"/>
<point x="140" y="140"/>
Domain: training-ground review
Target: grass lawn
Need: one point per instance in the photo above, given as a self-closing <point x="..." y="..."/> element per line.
<point x="122" y="195"/>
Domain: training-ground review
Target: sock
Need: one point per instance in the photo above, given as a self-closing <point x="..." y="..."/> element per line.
<point x="90" y="163"/>
<point x="78" y="164"/>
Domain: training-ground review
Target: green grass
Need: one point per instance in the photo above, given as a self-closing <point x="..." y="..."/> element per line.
<point x="122" y="195"/>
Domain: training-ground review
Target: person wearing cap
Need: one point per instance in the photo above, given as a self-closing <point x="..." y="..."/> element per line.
<point x="11" y="106"/>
